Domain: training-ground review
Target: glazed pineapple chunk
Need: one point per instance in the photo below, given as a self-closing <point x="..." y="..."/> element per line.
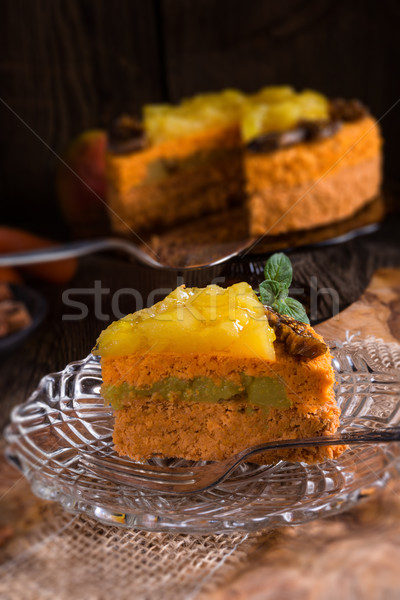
<point x="274" y="94"/>
<point x="195" y="320"/>
<point x="164" y="122"/>
<point x="280" y="109"/>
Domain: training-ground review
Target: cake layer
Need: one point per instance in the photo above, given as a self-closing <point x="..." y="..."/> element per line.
<point x="127" y="170"/>
<point x="265" y="392"/>
<point x="335" y="196"/>
<point x="176" y="190"/>
<point x="307" y="162"/>
<point x="200" y="431"/>
<point x="305" y="381"/>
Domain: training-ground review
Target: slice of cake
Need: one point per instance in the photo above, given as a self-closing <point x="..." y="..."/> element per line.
<point x="294" y="160"/>
<point x="207" y="372"/>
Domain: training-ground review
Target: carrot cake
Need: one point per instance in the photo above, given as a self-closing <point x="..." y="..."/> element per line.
<point x="293" y="160"/>
<point x="207" y="372"/>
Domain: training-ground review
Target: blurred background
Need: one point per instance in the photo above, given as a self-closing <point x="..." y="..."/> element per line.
<point x="71" y="66"/>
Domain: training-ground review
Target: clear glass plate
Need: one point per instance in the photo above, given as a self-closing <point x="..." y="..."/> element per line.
<point x="66" y="416"/>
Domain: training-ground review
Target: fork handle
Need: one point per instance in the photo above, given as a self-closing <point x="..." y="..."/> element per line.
<point x="391" y="434"/>
<point x="75" y="249"/>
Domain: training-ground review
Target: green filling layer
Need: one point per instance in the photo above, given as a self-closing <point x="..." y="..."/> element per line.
<point x="262" y="392"/>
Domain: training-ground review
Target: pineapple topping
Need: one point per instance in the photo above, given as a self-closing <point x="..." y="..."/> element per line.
<point x="164" y="122"/>
<point x="276" y="109"/>
<point x="195" y="320"/>
<point x="272" y="109"/>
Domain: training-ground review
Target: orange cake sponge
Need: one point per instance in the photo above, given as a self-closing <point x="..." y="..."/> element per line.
<point x="314" y="183"/>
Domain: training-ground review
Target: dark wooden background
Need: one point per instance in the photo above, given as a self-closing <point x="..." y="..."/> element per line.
<point x="70" y="65"/>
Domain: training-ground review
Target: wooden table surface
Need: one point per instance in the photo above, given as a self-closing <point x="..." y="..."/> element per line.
<point x="357" y="552"/>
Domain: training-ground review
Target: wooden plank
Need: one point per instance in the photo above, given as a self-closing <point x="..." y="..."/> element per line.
<point x="211" y="44"/>
<point x="376" y="313"/>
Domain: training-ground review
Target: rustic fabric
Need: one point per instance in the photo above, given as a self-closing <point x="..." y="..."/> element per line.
<point x="71" y="556"/>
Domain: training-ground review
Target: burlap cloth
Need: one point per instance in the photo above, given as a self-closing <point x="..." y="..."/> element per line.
<point x="64" y="556"/>
<point x="47" y="553"/>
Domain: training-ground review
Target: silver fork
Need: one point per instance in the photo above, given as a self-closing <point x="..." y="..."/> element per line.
<point x="198" y="478"/>
<point x="199" y="259"/>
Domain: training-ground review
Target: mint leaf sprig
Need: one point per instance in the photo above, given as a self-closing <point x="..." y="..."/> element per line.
<point x="274" y="291"/>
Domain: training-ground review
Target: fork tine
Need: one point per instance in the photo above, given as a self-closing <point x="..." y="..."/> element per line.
<point x="129" y="467"/>
<point x="138" y="470"/>
<point x="143" y="481"/>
